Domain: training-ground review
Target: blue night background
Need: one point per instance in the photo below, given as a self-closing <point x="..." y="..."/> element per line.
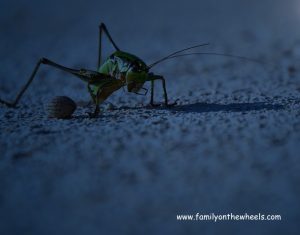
<point x="230" y="145"/>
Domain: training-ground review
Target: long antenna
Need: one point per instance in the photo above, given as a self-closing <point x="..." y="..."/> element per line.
<point x="213" y="53"/>
<point x="176" y="52"/>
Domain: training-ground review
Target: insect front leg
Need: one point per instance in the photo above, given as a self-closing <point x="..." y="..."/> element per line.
<point x="152" y="79"/>
<point x="152" y="95"/>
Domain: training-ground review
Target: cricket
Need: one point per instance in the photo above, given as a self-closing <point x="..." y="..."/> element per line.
<point x="120" y="69"/>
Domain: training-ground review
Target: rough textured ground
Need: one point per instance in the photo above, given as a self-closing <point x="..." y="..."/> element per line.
<point x="231" y="144"/>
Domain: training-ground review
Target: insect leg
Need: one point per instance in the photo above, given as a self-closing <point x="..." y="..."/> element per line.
<point x="32" y="76"/>
<point x="96" y="111"/>
<point x="165" y="90"/>
<point x="103" y="29"/>
<point x="97" y="104"/>
<point x="18" y="97"/>
<point x="156" y="77"/>
<point x="152" y="95"/>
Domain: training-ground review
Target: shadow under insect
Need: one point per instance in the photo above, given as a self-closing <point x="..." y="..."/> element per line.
<point x="233" y="107"/>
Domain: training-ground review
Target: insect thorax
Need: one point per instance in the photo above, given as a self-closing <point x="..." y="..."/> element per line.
<point x="119" y="63"/>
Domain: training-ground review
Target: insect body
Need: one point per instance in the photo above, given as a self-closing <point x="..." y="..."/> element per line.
<point x="121" y="69"/>
<point x="126" y="67"/>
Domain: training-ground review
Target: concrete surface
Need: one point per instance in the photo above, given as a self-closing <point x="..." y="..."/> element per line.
<point x="230" y="146"/>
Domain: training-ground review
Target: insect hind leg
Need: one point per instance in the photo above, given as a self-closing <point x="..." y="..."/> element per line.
<point x="103" y="29"/>
<point x="32" y="76"/>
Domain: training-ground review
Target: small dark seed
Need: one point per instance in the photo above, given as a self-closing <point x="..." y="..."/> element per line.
<point x="61" y="107"/>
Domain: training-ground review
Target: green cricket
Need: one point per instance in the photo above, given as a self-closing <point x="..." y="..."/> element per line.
<point x="120" y="69"/>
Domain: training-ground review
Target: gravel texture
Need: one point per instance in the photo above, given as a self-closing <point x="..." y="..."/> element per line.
<point x="231" y="145"/>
